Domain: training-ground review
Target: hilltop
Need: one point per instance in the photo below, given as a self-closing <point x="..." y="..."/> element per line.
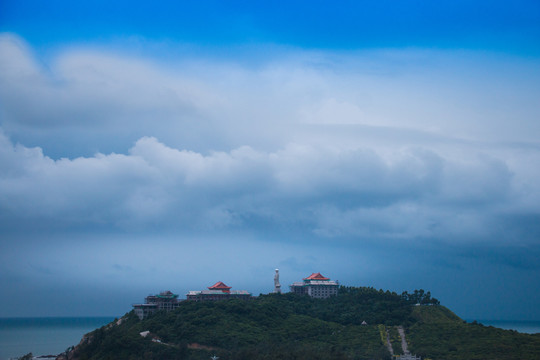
<point x="356" y="324"/>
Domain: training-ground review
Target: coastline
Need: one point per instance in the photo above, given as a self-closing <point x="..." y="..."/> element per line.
<point x="522" y="326"/>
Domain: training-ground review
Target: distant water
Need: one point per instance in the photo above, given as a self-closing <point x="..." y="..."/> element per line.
<point x="44" y="336"/>
<point x="529" y="327"/>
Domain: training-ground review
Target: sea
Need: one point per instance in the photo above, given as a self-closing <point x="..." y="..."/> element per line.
<point x="51" y="336"/>
<point x="44" y="336"/>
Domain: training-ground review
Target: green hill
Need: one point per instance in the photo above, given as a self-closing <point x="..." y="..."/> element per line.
<point x="289" y="326"/>
<point x="440" y="334"/>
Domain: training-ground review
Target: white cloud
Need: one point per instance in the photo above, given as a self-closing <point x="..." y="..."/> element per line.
<point x="333" y="145"/>
<point x="328" y="192"/>
<point x="82" y="101"/>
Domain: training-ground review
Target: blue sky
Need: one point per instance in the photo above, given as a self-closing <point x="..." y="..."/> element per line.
<point x="146" y="147"/>
<point x="494" y="25"/>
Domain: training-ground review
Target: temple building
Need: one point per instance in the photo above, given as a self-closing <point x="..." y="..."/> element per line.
<point x="218" y="291"/>
<point x="165" y="300"/>
<point x="316" y="286"/>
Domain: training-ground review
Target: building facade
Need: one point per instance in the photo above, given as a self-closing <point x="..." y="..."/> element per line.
<point x="218" y="291"/>
<point x="316" y="286"/>
<point x="166" y="301"/>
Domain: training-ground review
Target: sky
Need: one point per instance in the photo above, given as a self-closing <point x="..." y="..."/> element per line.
<point x="170" y="145"/>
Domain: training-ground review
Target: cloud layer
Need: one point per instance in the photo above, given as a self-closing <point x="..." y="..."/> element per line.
<point x="249" y="163"/>
<point x="329" y="192"/>
<point x="329" y="145"/>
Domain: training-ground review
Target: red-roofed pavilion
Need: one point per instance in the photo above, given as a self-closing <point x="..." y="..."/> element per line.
<point x="316" y="276"/>
<point x="220" y="286"/>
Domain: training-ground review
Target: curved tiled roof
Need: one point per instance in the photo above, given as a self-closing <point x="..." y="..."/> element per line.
<point x="219" y="286"/>
<point x="316" y="276"/>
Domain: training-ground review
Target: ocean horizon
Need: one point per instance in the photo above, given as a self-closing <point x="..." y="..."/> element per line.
<point x="53" y="335"/>
<point x="44" y="335"/>
<point x="522" y="326"/>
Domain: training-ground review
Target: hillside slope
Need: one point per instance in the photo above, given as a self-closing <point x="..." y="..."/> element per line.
<point x="298" y="327"/>
<point x="439" y="334"/>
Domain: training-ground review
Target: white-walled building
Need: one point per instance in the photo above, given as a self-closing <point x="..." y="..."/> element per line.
<point x="316" y="286"/>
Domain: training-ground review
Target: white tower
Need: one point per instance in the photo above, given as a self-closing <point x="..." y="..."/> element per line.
<point x="277" y="285"/>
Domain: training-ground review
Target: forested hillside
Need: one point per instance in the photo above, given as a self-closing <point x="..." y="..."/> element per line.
<point x="289" y="326"/>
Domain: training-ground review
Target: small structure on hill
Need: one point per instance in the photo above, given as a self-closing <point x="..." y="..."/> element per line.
<point x="165" y="300"/>
<point x="316" y="286"/>
<point x="218" y="291"/>
<point x="277" y="285"/>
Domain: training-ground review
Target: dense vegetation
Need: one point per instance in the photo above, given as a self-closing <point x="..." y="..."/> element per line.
<point x="439" y="334"/>
<point x="289" y="326"/>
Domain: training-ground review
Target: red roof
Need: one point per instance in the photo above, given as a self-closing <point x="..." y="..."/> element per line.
<point x="316" y="276"/>
<point x="219" y="286"/>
